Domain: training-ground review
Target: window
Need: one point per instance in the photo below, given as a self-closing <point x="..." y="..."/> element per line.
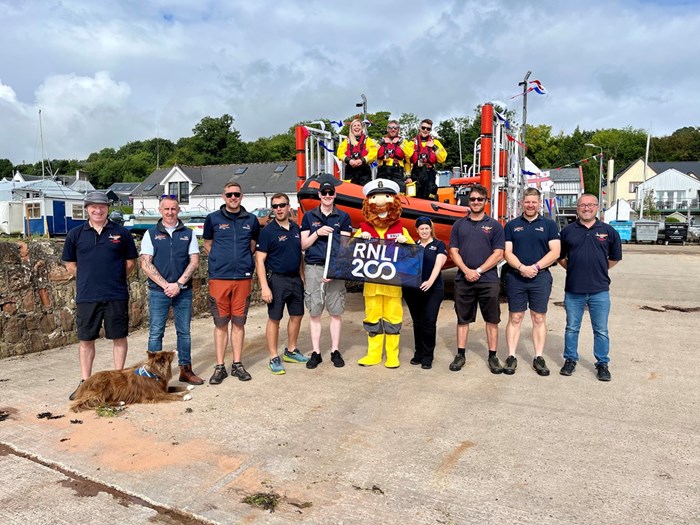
<point x="241" y="171"/>
<point x="78" y="211"/>
<point x="633" y="186"/>
<point x="280" y="168"/>
<point x="33" y="210"/>
<point x="181" y="189"/>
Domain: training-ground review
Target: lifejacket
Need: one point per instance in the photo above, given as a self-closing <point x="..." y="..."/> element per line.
<point x="358" y="151"/>
<point x="392" y="232"/>
<point x="389" y="154"/>
<point x="424" y="153"/>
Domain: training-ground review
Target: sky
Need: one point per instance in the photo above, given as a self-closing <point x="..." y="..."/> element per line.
<point x="105" y="73"/>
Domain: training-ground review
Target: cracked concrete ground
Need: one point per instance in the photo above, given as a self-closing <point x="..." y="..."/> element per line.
<point x="378" y="446"/>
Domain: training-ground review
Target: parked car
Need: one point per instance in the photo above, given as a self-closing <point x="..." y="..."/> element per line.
<point x="196" y="224"/>
<point x="263" y="215"/>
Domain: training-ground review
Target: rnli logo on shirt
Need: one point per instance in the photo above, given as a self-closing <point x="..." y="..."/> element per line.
<point x="486" y="229"/>
<point x="433" y="248"/>
<point x="539" y="229"/>
<point x="161" y="237"/>
<point x="115" y="239"/>
<point x="602" y="237"/>
<point x="316" y="224"/>
<point x="184" y="238"/>
<point x="519" y="228"/>
<point x="246" y="226"/>
<point x="282" y="238"/>
<point x="224" y="226"/>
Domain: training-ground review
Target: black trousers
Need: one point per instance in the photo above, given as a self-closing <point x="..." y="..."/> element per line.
<point x="360" y="175"/>
<point x="394" y="173"/>
<point x="426" y="188"/>
<point x="424" y="308"/>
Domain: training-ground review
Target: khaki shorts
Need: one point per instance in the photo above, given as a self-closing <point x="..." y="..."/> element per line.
<point x="318" y="294"/>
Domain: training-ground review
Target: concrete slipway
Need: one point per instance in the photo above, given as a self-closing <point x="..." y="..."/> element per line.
<point x="377" y="446"/>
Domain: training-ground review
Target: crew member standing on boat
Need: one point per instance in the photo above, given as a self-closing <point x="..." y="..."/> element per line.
<point x="427" y="152"/>
<point x="357" y="152"/>
<point x="393" y="152"/>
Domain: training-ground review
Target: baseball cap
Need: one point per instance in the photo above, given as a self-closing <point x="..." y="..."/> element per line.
<point x="326" y="181"/>
<point x="96" y="197"/>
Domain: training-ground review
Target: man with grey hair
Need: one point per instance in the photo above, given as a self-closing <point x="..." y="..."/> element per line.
<point x="393" y="154"/>
<point x="101" y="255"/>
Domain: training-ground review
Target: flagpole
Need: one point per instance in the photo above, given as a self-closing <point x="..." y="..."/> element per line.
<point x="521" y="179"/>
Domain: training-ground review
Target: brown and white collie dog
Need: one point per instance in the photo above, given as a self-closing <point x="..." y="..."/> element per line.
<point x="146" y="382"/>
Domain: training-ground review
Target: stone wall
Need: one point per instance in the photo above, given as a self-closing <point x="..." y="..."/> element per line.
<point x="37" y="297"/>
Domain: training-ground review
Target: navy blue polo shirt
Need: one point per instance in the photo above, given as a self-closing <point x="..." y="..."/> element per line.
<point x="476" y="241"/>
<point x="101" y="259"/>
<point x="430" y="253"/>
<point x="531" y="239"/>
<point x="587" y="251"/>
<point x="171" y="252"/>
<point x="315" y="219"/>
<point x="282" y="246"/>
<point x="231" y="233"/>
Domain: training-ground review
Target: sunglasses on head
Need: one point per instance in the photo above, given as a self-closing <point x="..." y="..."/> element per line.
<point x="236" y="194"/>
<point x="279" y="205"/>
<point x="327" y="193"/>
<point x="477" y="199"/>
<point x="171" y="197"/>
<point x="425" y="128"/>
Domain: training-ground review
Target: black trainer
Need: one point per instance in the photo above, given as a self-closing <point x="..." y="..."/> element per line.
<point x="457" y="363"/>
<point x="568" y="368"/>
<point x="603" y="372"/>
<point x="72" y="396"/>
<point x="495" y="365"/>
<point x="426" y="366"/>
<point x="540" y="366"/>
<point x="314" y="361"/>
<point x="219" y="375"/>
<point x="239" y="371"/>
<point x="337" y="359"/>
<point x="415" y="360"/>
<point x="511" y="365"/>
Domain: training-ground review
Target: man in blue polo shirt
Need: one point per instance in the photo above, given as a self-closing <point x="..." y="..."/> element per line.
<point x="316" y="227"/>
<point x="101" y="255"/>
<point x="230" y="235"/>
<point x="278" y="265"/>
<point x="532" y="246"/>
<point x="589" y="248"/>
<point x="169" y="257"/>
<point x="476" y="247"/>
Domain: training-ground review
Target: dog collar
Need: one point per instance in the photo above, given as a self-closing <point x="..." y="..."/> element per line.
<point x="142" y="371"/>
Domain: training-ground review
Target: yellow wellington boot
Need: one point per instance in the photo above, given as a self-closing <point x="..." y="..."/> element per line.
<point x="375" y="345"/>
<point x="392" y="351"/>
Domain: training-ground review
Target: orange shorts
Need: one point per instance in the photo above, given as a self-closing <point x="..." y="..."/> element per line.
<point x="229" y="301"/>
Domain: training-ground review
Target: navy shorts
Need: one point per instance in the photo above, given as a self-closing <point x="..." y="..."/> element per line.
<point x="528" y="293"/>
<point x="90" y="316"/>
<point x="288" y="291"/>
<point x="469" y="295"/>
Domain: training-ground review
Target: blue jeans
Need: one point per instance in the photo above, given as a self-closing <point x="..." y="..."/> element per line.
<point x="598" y="309"/>
<point x="159" y="305"/>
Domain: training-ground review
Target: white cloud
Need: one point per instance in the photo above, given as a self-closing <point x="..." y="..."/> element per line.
<point x="108" y="73"/>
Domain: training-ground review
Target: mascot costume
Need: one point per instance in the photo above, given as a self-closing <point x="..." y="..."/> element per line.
<point x="383" y="310"/>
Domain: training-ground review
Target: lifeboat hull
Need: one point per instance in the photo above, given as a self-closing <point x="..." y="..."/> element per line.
<point x="349" y="198"/>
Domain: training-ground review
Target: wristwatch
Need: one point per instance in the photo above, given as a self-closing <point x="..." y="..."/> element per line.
<point x="181" y="286"/>
<point x="479" y="270"/>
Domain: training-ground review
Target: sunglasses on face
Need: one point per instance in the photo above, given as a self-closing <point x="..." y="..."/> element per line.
<point x="327" y="193"/>
<point x="280" y="205"/>
<point x="236" y="194"/>
<point x="392" y="127"/>
<point x="424" y="128"/>
<point x="477" y="199"/>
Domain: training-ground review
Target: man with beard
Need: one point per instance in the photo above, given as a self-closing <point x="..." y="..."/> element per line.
<point x="476" y="247"/>
<point x="393" y="153"/>
<point x="357" y="152"/>
<point x="427" y="152"/>
<point x="383" y="310"/>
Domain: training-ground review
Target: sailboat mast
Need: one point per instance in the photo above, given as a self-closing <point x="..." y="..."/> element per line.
<point x="41" y="141"/>
<point x="646" y="164"/>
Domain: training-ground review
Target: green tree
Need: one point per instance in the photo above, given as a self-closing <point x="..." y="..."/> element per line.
<point x="409" y="124"/>
<point x="6" y="170"/>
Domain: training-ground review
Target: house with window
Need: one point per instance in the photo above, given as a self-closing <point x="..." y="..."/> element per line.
<point x="39" y="207"/>
<point x="199" y="188"/>
<point x="568" y="187"/>
<point x="625" y="183"/>
<point x="671" y="191"/>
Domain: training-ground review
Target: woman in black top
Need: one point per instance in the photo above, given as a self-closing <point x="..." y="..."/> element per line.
<point x="424" y="303"/>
